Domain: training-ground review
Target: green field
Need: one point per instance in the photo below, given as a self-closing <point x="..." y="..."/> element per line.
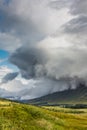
<point x="16" y="116"/>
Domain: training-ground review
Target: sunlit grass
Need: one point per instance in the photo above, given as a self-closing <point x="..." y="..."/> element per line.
<point x="16" y="116"/>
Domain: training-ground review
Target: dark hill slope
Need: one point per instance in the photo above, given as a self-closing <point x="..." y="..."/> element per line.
<point x="78" y="95"/>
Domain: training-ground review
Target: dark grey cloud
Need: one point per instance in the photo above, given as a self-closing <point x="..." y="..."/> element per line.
<point x="35" y="63"/>
<point x="76" y="28"/>
<point x="27" y="58"/>
<point x="77" y="25"/>
<point x="78" y="7"/>
<point x="9" y="77"/>
<point x="12" y="23"/>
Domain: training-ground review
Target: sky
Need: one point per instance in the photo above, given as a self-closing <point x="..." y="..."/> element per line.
<point x="43" y="46"/>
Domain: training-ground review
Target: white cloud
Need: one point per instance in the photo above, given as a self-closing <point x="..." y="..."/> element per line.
<point x="4" y="70"/>
<point x="34" y="88"/>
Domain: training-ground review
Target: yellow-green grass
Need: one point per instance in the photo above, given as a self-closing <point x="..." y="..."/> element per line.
<point x="16" y="116"/>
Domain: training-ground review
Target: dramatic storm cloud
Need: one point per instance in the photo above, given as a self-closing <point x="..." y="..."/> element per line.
<point x="46" y="41"/>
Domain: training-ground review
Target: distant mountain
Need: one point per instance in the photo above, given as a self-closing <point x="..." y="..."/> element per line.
<point x="78" y="95"/>
<point x="8" y="95"/>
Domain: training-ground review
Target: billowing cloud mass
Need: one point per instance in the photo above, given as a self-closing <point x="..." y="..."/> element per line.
<point x="47" y="41"/>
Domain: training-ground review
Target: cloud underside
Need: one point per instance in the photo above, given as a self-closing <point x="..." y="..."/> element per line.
<point x="46" y="39"/>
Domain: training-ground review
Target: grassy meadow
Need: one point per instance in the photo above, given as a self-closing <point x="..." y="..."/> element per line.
<point x="16" y="116"/>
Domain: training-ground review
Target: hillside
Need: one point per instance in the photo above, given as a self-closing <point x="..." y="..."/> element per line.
<point x="70" y="96"/>
<point x="16" y="116"/>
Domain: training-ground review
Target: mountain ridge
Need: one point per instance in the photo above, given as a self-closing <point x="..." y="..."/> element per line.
<point x="70" y="96"/>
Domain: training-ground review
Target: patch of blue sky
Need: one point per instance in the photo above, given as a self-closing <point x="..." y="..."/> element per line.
<point x="4" y="54"/>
